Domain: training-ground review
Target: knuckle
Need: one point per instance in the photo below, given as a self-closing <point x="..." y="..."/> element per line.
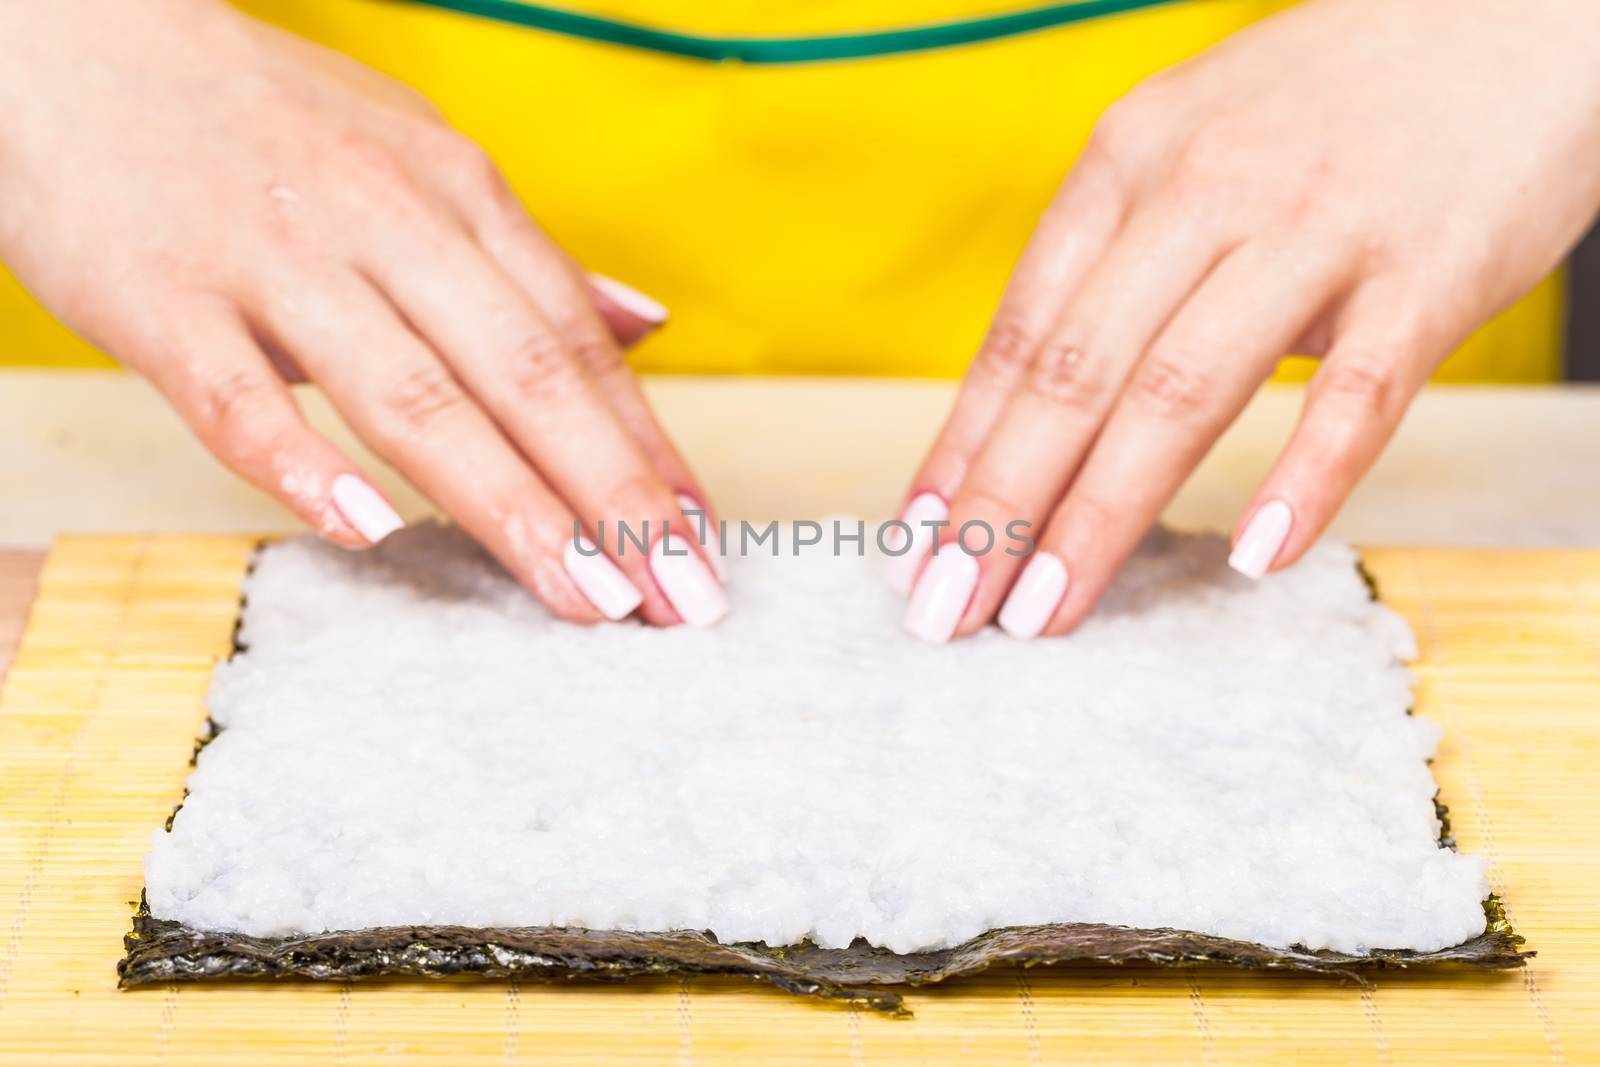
<point x="232" y="414"/>
<point x="1100" y="173"/>
<point x="1007" y="348"/>
<point x="1315" y="211"/>
<point x="1084" y="519"/>
<point x="541" y="369"/>
<point x="1123" y="131"/>
<point x="1360" y="380"/>
<point x="1214" y="158"/>
<point x="1316" y="202"/>
<point x="470" y="162"/>
<point x="1065" y="376"/>
<point x="362" y="156"/>
<point x="599" y="355"/>
<point x="1086" y="513"/>
<point x="989" y="506"/>
<point x="381" y="179"/>
<point x="472" y="172"/>
<point x="419" y="400"/>
<point x="635" y="498"/>
<point x="1110" y="138"/>
<point x="1172" y="386"/>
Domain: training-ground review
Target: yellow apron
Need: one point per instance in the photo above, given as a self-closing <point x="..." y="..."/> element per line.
<point x="798" y="213"/>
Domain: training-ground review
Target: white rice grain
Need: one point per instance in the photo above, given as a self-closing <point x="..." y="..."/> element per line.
<point x="410" y="739"/>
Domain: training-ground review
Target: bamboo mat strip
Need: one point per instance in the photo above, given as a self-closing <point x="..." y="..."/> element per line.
<point x="19" y="572"/>
<point x="107" y="690"/>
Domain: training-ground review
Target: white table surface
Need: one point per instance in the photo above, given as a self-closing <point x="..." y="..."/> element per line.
<point x="89" y="451"/>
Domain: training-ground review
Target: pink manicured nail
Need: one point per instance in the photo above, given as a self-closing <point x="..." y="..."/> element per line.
<point x="900" y="570"/>
<point x="364" y="508"/>
<point x="942" y="594"/>
<point x="1262" y="539"/>
<point x="1035" y="597"/>
<point x="713" y="543"/>
<point x="600" y="580"/>
<point x="630" y="299"/>
<point x="694" y="593"/>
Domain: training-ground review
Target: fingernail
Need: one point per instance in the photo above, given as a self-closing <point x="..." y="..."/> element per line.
<point x="713" y="542"/>
<point x="688" y="583"/>
<point x="901" y="569"/>
<point x="1262" y="539"/>
<point x="1035" y="597"/>
<point x="364" y="508"/>
<point x="630" y="299"/>
<point x="942" y="595"/>
<point x="607" y="588"/>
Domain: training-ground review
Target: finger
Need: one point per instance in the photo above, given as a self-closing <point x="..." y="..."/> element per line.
<point x="594" y="315"/>
<point x="221" y="383"/>
<point x="1070" y="237"/>
<point x="397" y="396"/>
<point x="630" y="320"/>
<point x="522" y="373"/>
<point x="1055" y="414"/>
<point x="631" y="315"/>
<point x="618" y="305"/>
<point x="585" y="311"/>
<point x="467" y="179"/>
<point x="1381" y="356"/>
<point x="1189" y="387"/>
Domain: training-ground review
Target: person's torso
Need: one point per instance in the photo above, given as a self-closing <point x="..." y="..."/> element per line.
<point x="811" y="187"/>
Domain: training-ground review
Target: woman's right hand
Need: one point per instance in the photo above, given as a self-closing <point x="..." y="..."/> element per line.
<point x="225" y="207"/>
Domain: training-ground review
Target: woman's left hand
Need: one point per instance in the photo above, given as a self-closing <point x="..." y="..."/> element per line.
<point x="1363" y="182"/>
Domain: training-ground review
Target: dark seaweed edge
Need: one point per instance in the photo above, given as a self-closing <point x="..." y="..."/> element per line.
<point x="160" y="950"/>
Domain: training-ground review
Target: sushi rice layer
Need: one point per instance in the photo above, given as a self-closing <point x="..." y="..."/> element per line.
<point x="409" y="739"/>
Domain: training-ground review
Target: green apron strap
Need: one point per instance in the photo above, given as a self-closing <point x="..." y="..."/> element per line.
<point x="811" y="49"/>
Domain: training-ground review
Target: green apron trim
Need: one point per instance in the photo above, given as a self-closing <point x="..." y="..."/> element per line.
<point x="812" y="49"/>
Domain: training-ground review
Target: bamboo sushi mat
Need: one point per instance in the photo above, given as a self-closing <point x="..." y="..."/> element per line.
<point x="105" y="695"/>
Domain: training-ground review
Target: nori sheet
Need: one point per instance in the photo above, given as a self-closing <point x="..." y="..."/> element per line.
<point x="159" y="950"/>
<point x="163" y="951"/>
